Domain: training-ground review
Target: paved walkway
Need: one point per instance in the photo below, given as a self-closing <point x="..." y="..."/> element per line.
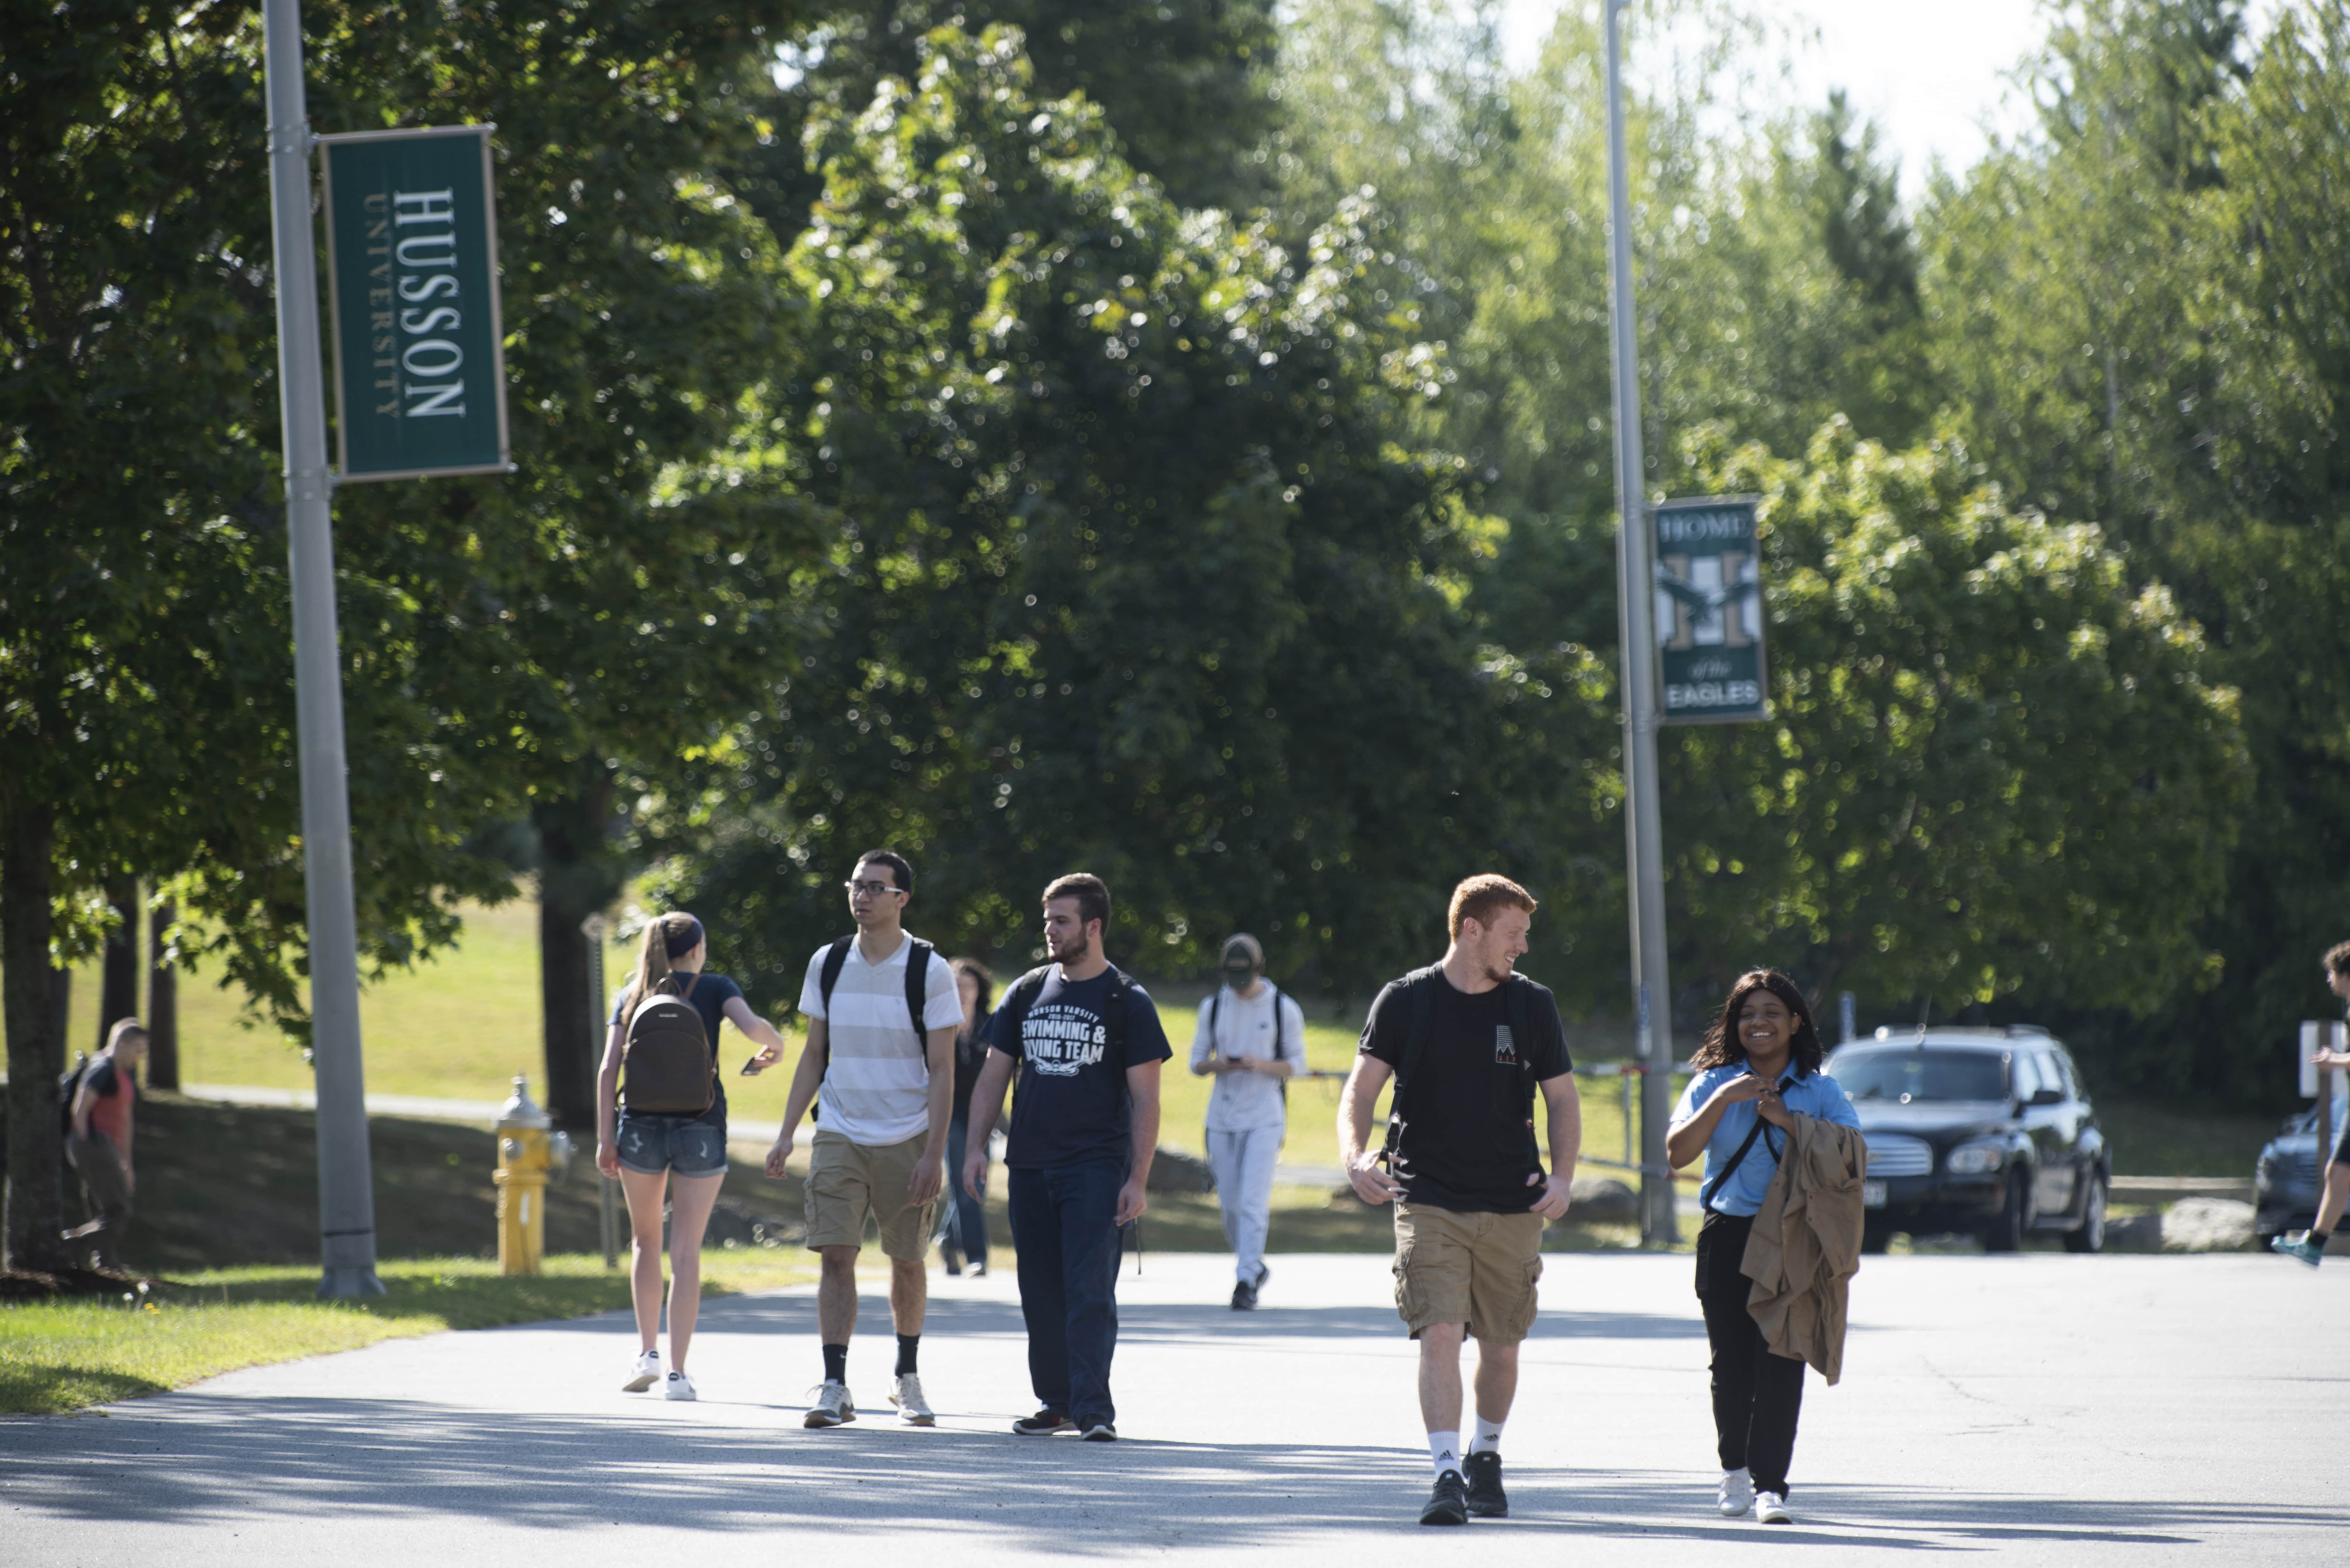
<point x="2047" y="1409"/>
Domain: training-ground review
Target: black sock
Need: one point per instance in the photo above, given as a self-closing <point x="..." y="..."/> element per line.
<point x="835" y="1364"/>
<point x="2317" y="1239"/>
<point x="908" y="1344"/>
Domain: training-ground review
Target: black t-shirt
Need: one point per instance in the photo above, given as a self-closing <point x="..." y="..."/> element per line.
<point x="970" y="1056"/>
<point x="1464" y="1144"/>
<point x="711" y="994"/>
<point x="1069" y="1102"/>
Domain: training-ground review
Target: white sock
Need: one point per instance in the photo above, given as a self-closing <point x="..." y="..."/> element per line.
<point x="1488" y="1439"/>
<point x="1444" y="1448"/>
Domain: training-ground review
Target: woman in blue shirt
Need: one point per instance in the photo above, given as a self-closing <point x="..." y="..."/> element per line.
<point x="1758" y="1069"/>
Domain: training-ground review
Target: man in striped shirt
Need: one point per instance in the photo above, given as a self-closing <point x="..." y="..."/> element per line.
<point x="882" y="1080"/>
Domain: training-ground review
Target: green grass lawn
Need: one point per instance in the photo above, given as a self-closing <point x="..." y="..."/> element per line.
<point x="63" y="1356"/>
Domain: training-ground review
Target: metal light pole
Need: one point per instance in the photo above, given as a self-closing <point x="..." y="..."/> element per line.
<point x="1643" y="827"/>
<point x="346" y="1185"/>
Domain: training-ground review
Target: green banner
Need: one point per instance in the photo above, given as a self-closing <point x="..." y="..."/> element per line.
<point x="412" y="251"/>
<point x="1709" y="597"/>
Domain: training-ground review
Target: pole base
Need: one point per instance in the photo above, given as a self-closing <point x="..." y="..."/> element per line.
<point x="349" y="1284"/>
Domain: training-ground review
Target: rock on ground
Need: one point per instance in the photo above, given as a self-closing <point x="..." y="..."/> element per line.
<point x="2206" y="1225"/>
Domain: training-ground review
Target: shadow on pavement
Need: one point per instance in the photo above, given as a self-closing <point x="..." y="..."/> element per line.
<point x="195" y="1459"/>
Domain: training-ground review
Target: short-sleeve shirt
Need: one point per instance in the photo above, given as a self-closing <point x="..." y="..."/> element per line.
<point x="1248" y="1026"/>
<point x="111" y="1092"/>
<point x="877" y="1076"/>
<point x="710" y="996"/>
<point x="1806" y="1094"/>
<point x="1464" y="1143"/>
<point x="1070" y="1103"/>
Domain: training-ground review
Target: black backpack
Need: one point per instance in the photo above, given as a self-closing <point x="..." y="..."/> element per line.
<point x="1216" y="1011"/>
<point x="69" y="1082"/>
<point x="918" y="991"/>
<point x="1420" y="994"/>
<point x="667" y="1066"/>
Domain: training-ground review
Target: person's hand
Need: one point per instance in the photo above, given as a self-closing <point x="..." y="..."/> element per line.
<point x="1556" y="1194"/>
<point x="2332" y="1059"/>
<point x="767" y="1057"/>
<point x="1371" y="1184"/>
<point x="607" y="1159"/>
<point x="776" y="1154"/>
<point x="1739" y="1090"/>
<point x="1773" y="1109"/>
<point x="1131" y="1202"/>
<point x="974" y="1166"/>
<point x="929" y="1179"/>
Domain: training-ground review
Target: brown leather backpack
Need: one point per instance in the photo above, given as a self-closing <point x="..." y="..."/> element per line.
<point x="667" y="1068"/>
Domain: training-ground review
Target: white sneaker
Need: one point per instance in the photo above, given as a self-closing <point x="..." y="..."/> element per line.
<point x="646" y="1373"/>
<point x="679" y="1386"/>
<point x="1737" y="1494"/>
<point x="833" y="1405"/>
<point x="1770" y="1508"/>
<point x="912" y="1408"/>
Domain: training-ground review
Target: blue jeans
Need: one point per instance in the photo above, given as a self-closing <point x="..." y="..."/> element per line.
<point x="1063" y="1226"/>
<point x="966" y="1216"/>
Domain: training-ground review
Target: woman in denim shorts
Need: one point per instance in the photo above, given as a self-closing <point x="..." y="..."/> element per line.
<point x="674" y="1159"/>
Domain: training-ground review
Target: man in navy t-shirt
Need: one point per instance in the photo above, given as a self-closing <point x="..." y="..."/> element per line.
<point x="1086" y="1044"/>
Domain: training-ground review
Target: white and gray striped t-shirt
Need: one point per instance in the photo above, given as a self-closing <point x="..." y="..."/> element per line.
<point x="876" y="1086"/>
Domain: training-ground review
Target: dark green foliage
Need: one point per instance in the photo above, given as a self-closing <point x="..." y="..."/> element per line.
<point x="1128" y="576"/>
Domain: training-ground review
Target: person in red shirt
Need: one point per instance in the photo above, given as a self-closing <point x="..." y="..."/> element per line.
<point x="97" y="1140"/>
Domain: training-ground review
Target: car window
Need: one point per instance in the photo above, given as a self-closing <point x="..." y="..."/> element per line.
<point x="2050" y="1076"/>
<point x="1911" y="1073"/>
<point x="2025" y="1064"/>
<point x="2064" y="1068"/>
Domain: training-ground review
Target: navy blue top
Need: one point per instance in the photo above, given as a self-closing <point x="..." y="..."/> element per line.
<point x="711" y="996"/>
<point x="1070" y="1101"/>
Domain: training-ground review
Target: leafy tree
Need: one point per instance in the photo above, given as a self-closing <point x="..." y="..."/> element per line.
<point x="1129" y="576"/>
<point x="1994" y="767"/>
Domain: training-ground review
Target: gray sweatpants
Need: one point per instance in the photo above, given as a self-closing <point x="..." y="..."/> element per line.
<point x="105" y="1193"/>
<point x="1244" y="1163"/>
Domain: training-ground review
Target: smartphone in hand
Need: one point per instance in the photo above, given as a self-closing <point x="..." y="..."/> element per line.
<point x="751" y="1068"/>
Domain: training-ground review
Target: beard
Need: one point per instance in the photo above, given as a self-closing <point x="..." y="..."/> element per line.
<point x="1073" y="952"/>
<point x="1498" y="971"/>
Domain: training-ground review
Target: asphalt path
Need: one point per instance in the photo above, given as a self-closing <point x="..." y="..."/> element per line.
<point x="2043" y="1408"/>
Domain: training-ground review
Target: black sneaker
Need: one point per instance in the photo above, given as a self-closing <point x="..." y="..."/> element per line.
<point x="1449" y="1504"/>
<point x="1243" y="1297"/>
<point x="1041" y="1424"/>
<point x="1100" y="1432"/>
<point x="1486" y="1498"/>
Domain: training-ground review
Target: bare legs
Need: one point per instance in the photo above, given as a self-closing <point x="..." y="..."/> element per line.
<point x="2337" y="1193"/>
<point x="690" y="1199"/>
<point x="835" y="1294"/>
<point x="1439" y="1378"/>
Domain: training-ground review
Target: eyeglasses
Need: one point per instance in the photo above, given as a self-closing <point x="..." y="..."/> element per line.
<point x="870" y="889"/>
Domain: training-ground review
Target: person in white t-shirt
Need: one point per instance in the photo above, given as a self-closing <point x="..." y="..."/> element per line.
<point x="1251" y="1039"/>
<point x="883" y="1082"/>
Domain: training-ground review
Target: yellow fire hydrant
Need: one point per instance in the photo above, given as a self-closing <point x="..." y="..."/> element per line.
<point x="527" y="1152"/>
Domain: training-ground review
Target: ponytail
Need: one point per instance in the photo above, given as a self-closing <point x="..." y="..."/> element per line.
<point x="666" y="937"/>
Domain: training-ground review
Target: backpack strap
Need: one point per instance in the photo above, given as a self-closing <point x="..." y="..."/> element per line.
<point x="1419" y="993"/>
<point x="1280" y="1052"/>
<point x="1517" y="1002"/>
<point x="918" y="988"/>
<point x="1713" y="1189"/>
<point x="1215" y="1015"/>
<point x="835" y="957"/>
<point x="1013" y="1013"/>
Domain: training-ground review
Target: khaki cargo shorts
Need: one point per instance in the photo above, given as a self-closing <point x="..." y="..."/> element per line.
<point x="1476" y="1269"/>
<point x="847" y="1182"/>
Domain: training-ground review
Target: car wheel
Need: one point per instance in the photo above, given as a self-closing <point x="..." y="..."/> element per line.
<point x="1874" y="1238"/>
<point x="2007" y="1232"/>
<point x="2091" y="1235"/>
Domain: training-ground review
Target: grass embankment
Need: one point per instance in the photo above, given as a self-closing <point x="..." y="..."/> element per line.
<point x="66" y="1354"/>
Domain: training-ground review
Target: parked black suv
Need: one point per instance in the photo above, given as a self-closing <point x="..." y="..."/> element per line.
<point x="1983" y="1130"/>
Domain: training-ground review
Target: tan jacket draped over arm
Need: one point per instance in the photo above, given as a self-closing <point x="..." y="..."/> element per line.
<point x="1805" y="1245"/>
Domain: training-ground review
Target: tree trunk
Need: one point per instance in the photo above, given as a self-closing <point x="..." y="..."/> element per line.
<point x="118" y="996"/>
<point x="577" y="878"/>
<point x="35" y="1206"/>
<point x="571" y="1031"/>
<point x="162" y="1003"/>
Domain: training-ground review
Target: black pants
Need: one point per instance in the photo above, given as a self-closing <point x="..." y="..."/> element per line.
<point x="1756" y="1394"/>
<point x="1063" y="1227"/>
